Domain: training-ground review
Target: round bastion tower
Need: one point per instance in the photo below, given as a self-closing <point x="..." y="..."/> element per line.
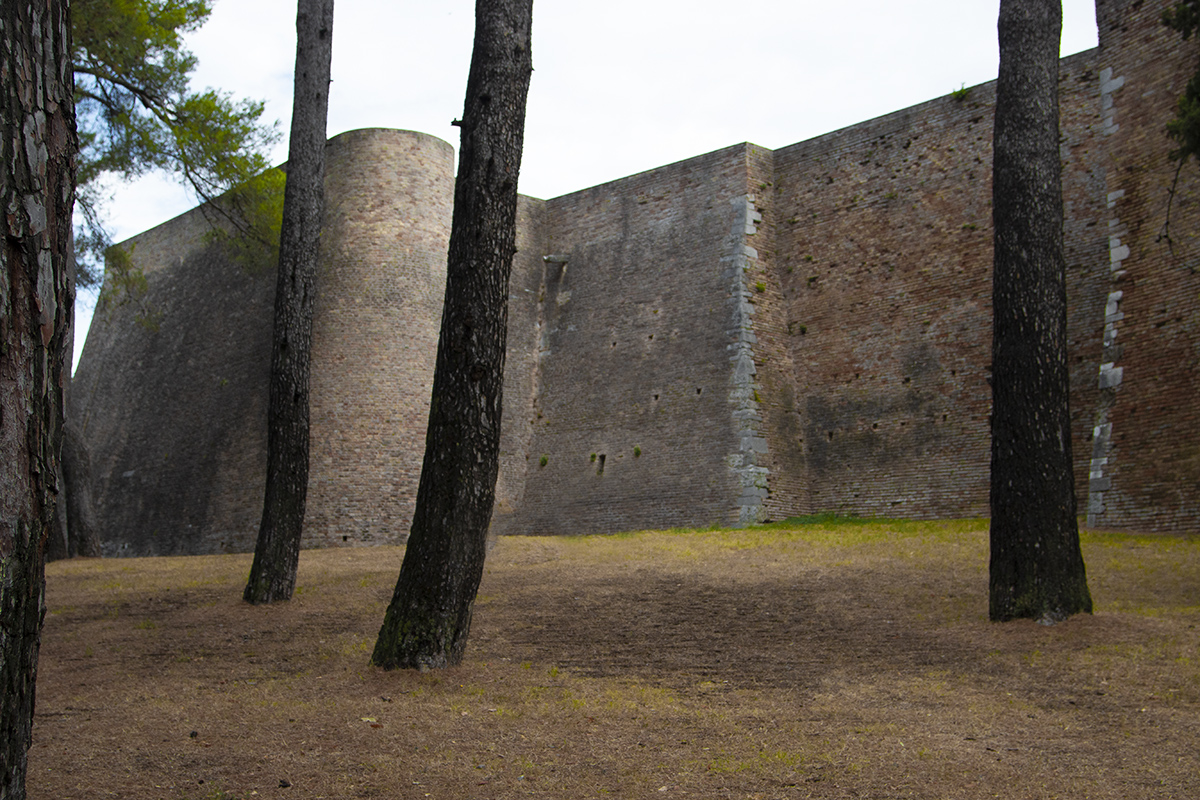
<point x="174" y="410"/>
<point x="388" y="206"/>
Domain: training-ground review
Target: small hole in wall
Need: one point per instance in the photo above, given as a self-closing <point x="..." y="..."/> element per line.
<point x="656" y="397"/>
<point x="614" y="344"/>
<point x="652" y="336"/>
<point x="697" y="390"/>
<point x="345" y="538"/>
<point x="831" y="436"/>
<point x="875" y="426"/>
<point x="600" y="469"/>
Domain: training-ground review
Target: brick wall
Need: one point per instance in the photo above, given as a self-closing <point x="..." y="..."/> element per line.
<point x="1146" y="457"/>
<point x="883" y="267"/>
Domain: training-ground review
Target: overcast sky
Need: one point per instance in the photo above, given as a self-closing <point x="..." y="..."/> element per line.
<point x="617" y="88"/>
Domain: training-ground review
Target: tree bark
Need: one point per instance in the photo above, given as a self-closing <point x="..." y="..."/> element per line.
<point x="428" y="620"/>
<point x="1037" y="568"/>
<point x="37" y="148"/>
<point x="83" y="532"/>
<point x="277" y="552"/>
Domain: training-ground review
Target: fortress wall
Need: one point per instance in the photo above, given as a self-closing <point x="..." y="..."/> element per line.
<point x="1085" y="246"/>
<point x="634" y="353"/>
<point x="743" y="336"/>
<point x="884" y="250"/>
<point x="1146" y="455"/>
<point x="766" y="479"/>
<point x="887" y="229"/>
<point x="521" y="361"/>
<point x="389" y="199"/>
<point x="175" y="416"/>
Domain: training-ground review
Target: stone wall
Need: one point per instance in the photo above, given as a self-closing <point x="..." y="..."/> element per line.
<point x="175" y="415"/>
<point x="629" y="424"/>
<point x="389" y="199"/>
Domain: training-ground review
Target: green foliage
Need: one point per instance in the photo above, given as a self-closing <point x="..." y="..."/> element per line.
<point x="126" y="284"/>
<point x="253" y="243"/>
<point x="961" y="93"/>
<point x="1184" y="17"/>
<point x="1185" y="128"/>
<point x="137" y="113"/>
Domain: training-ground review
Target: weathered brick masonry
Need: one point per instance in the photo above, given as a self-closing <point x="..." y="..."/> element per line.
<point x="742" y="336"/>
<point x="1145" y="468"/>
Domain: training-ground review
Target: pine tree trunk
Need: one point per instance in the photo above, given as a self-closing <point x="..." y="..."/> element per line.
<point x="1036" y="568"/>
<point x="277" y="552"/>
<point x="429" y="618"/>
<point x="37" y="148"/>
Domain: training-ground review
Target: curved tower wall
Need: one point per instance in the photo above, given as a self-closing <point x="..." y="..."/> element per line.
<point x="389" y="198"/>
<point x="174" y="413"/>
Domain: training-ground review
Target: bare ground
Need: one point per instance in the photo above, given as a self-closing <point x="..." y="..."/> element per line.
<point x="843" y="661"/>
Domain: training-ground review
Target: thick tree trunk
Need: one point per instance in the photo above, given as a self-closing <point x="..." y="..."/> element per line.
<point x="37" y="151"/>
<point x="1036" y="569"/>
<point x="427" y="623"/>
<point x="277" y="552"/>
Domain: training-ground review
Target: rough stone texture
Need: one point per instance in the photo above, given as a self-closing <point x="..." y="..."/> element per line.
<point x="632" y="406"/>
<point x="176" y="417"/>
<point x="1145" y="460"/>
<point x="883" y="265"/>
<point x="389" y="196"/>
<point x="746" y="335"/>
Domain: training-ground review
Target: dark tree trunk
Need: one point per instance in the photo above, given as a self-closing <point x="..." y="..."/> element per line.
<point x="427" y="623"/>
<point x="277" y="552"/>
<point x="83" y="533"/>
<point x="58" y="542"/>
<point x="37" y="151"/>
<point x="1036" y="566"/>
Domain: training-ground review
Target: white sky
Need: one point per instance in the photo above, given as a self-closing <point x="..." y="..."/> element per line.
<point x="618" y="87"/>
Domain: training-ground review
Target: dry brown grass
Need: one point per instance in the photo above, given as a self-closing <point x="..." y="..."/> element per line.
<point x="828" y="661"/>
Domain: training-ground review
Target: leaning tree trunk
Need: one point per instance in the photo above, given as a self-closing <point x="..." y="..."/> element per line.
<point x="277" y="552"/>
<point x="37" y="151"/>
<point x="427" y="623"/>
<point x="1036" y="566"/>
